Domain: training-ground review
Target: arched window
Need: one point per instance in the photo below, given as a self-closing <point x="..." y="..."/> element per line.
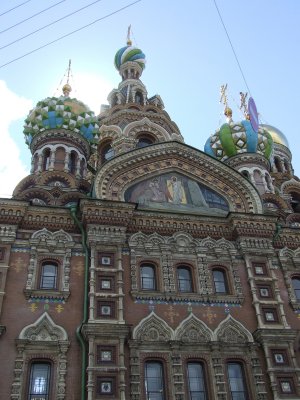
<point x="236" y="380"/>
<point x="148" y="281"/>
<point x="184" y="279"/>
<point x="106" y="152"/>
<point x="48" y="276"/>
<point x="72" y="162"/>
<point x="220" y="281"/>
<point x="144" y="141"/>
<point x="246" y="174"/>
<point x="277" y="163"/>
<point x="46" y="159"/>
<point x="154" y="381"/>
<point x="295" y="202"/>
<point x="39" y="381"/>
<point x="286" y="165"/>
<point x="196" y="381"/>
<point x="296" y="286"/>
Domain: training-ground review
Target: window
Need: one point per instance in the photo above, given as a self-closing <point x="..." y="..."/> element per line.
<point x="48" y="276"/>
<point x="237" y="384"/>
<point x="280" y="357"/>
<point x="39" y="384"/>
<point x="286" y="385"/>
<point x="259" y="269"/>
<point x="105" y="386"/>
<point x="296" y="287"/>
<point x="270" y="314"/>
<point x="106" y="309"/>
<point x="72" y="162"/>
<point x="105" y="283"/>
<point x="106" y="259"/>
<point x="154" y="381"/>
<point x="46" y="159"/>
<point x="220" y="281"/>
<point x="265" y="291"/>
<point x="148" y="281"/>
<point x="105" y="354"/>
<point x="144" y="141"/>
<point x="184" y="279"/>
<point x="106" y="152"/>
<point x="196" y="381"/>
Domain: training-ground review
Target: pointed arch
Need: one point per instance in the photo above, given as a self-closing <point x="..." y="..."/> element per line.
<point x="153" y="329"/>
<point x="232" y="331"/>
<point x="193" y="330"/>
<point x="43" y="330"/>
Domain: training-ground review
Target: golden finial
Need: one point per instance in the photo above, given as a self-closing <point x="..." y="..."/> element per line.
<point x="129" y="42"/>
<point x="67" y="87"/>
<point x="243" y="105"/>
<point x="224" y="100"/>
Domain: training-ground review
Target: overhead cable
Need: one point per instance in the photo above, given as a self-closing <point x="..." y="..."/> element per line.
<point x="11" y="9"/>
<point x="70" y="33"/>
<point x="238" y="63"/>
<point x="51" y="23"/>
<point x="32" y="16"/>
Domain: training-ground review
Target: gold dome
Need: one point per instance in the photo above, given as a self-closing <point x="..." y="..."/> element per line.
<point x="277" y="136"/>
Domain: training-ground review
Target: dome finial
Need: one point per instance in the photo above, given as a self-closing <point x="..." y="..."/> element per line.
<point x="224" y="100"/>
<point x="67" y="87"/>
<point x="129" y="42"/>
<point x="243" y="105"/>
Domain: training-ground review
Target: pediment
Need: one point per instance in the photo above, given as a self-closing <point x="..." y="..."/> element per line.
<point x="122" y="178"/>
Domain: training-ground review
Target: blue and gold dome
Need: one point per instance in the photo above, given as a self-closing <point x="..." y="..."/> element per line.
<point x="239" y="137"/>
<point x="61" y="113"/>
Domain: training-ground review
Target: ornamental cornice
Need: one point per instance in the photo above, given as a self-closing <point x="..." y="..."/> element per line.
<point x="249" y="158"/>
<point x="123" y="171"/>
<point x="61" y="135"/>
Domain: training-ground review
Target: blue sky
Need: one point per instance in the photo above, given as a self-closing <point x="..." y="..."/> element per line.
<point x="188" y="58"/>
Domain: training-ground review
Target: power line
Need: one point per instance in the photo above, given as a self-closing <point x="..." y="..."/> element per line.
<point x="232" y="48"/>
<point x="51" y="23"/>
<point x="5" y="12"/>
<point x="32" y="16"/>
<point x="70" y="33"/>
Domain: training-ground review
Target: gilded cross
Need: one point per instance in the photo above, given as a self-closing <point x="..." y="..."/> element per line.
<point x="59" y="308"/>
<point x="171" y="314"/>
<point x="33" y="307"/>
<point x="79" y="268"/>
<point x="223" y="98"/>
<point x="18" y="265"/>
<point x="209" y="315"/>
<point x="243" y="105"/>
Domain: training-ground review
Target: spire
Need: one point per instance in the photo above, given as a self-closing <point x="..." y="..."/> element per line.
<point x="67" y="87"/>
<point x="224" y="100"/>
<point x="243" y="105"/>
<point x="129" y="42"/>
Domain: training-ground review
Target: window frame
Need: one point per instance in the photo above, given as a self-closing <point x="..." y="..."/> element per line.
<point x="163" y="380"/>
<point x="224" y="281"/>
<point x="293" y="279"/>
<point x="29" y="394"/>
<point x="243" y="377"/>
<point x="204" y="379"/>
<point x="43" y="264"/>
<point x="188" y="268"/>
<point x="154" y="278"/>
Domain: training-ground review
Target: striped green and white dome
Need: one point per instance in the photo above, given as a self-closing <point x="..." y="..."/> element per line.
<point x="129" y="53"/>
<point x="239" y="137"/>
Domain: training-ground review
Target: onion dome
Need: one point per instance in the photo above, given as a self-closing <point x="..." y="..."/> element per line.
<point x="277" y="136"/>
<point x="129" y="53"/>
<point x="239" y="137"/>
<point x="61" y="113"/>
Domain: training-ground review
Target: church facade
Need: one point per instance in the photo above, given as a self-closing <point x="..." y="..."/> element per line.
<point x="134" y="266"/>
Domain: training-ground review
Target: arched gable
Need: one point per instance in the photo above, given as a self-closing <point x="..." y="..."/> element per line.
<point x="43" y="330"/>
<point x="153" y="329"/>
<point x="192" y="330"/>
<point x="139" y="165"/>
<point x="232" y="331"/>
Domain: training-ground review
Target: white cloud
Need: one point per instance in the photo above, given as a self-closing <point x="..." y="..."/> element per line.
<point x="12" y="169"/>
